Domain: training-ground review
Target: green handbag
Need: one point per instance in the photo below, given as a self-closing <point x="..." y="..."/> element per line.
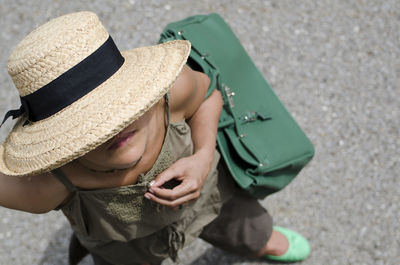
<point x="262" y="145"/>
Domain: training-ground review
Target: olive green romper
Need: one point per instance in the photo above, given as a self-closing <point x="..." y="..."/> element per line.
<point x="123" y="227"/>
<point x="120" y="226"/>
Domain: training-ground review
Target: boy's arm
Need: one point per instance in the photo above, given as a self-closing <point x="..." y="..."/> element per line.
<point x="34" y="194"/>
<point x="202" y="116"/>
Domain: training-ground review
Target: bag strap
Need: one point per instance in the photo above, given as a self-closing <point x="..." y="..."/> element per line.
<point x="59" y="174"/>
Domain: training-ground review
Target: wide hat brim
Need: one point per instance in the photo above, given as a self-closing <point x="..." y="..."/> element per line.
<point x="144" y="78"/>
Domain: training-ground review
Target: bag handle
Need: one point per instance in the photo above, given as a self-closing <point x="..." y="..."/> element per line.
<point x="199" y="58"/>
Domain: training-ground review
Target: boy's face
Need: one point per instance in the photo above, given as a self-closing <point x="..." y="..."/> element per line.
<point x="123" y="150"/>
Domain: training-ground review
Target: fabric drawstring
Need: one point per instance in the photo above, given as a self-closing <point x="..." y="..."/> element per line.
<point x="176" y="240"/>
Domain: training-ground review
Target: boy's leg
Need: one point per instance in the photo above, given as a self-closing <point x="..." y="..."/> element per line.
<point x="76" y="251"/>
<point x="243" y="226"/>
<point x="99" y="261"/>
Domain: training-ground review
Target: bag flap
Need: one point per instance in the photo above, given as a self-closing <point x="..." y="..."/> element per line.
<point x="233" y="162"/>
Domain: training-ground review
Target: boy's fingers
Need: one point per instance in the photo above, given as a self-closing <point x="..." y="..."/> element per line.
<point x="165" y="176"/>
<point x="173" y="204"/>
<point x="181" y="190"/>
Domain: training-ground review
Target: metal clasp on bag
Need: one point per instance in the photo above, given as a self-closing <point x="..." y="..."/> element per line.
<point x="203" y="56"/>
<point x="229" y="95"/>
<point x="253" y="116"/>
<point x="249" y="117"/>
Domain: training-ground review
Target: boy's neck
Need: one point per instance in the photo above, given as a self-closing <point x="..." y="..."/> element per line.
<point x="112" y="170"/>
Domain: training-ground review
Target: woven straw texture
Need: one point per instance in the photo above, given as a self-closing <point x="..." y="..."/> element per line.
<point x="51" y="50"/>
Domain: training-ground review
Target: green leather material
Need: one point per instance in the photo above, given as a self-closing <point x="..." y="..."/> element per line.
<point x="261" y="143"/>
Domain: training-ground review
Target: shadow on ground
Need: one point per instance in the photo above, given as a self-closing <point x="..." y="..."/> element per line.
<point x="57" y="249"/>
<point x="216" y="256"/>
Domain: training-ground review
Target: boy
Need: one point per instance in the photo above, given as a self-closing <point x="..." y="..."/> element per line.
<point x="124" y="145"/>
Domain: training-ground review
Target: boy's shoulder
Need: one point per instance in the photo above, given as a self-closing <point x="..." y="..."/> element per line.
<point x="187" y="93"/>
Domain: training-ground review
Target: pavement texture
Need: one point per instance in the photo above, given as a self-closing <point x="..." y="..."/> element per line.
<point x="336" y="67"/>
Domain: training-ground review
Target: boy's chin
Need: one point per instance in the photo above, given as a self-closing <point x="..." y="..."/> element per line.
<point x="127" y="164"/>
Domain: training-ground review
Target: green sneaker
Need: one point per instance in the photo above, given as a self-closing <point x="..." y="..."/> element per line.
<point x="298" y="250"/>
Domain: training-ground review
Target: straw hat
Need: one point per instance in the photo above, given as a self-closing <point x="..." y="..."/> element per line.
<point x="77" y="91"/>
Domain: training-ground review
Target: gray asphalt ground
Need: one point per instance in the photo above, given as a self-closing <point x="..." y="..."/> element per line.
<point x="335" y="65"/>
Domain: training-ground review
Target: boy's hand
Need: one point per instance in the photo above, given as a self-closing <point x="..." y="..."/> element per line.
<point x="191" y="172"/>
